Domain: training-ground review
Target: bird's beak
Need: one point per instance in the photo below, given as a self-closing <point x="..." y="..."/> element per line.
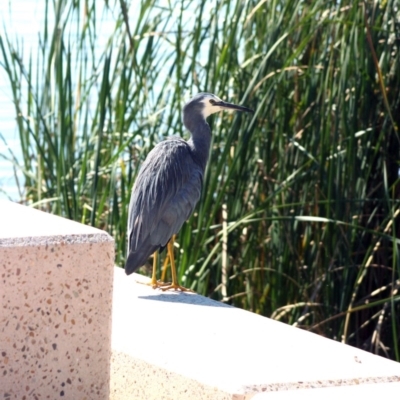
<point x="229" y="106"/>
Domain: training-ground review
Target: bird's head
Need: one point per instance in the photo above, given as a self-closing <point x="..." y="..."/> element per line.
<point x="206" y="104"/>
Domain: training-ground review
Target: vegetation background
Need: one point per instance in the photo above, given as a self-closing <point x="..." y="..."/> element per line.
<point x="299" y="217"/>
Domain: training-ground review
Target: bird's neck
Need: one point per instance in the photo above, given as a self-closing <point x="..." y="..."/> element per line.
<point x="200" y="141"/>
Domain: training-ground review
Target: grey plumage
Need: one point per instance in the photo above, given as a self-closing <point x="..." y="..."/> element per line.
<point x="163" y="198"/>
<point x="169" y="182"/>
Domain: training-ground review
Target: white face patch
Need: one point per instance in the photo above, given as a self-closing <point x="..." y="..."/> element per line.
<point x="208" y="107"/>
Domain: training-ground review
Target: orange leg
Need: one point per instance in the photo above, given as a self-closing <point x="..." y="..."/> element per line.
<point x="174" y="285"/>
<point x="154" y="283"/>
<point x="164" y="268"/>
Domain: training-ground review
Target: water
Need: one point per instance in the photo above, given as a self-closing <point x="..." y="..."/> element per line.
<point x="22" y="21"/>
<point x="20" y="18"/>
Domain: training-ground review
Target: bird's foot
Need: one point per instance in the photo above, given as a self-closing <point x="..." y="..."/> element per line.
<point x="159" y="284"/>
<point x="155" y="284"/>
<point x="166" y="286"/>
<point x="176" y="287"/>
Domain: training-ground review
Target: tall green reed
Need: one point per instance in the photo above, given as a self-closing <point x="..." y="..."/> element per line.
<point x="300" y="210"/>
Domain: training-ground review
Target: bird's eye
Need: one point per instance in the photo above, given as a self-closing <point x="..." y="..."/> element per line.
<point x="212" y="102"/>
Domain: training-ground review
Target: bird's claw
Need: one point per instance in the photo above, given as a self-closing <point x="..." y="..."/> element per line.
<point x="167" y="286"/>
<point x="154" y="285"/>
<point x="175" y="287"/>
<point x="158" y="284"/>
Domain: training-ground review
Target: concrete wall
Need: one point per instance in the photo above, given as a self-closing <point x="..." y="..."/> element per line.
<point x="56" y="303"/>
<point x="179" y="346"/>
<point x="55" y="313"/>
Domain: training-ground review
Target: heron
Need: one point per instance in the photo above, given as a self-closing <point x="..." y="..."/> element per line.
<point x="168" y="187"/>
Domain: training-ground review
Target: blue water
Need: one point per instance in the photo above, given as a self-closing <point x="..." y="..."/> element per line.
<point x="21" y="22"/>
<point x="19" y="19"/>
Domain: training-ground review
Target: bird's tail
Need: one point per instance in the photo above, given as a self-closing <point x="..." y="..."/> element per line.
<point x="138" y="258"/>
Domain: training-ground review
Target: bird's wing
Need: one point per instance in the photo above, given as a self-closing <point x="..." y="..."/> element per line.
<point x="164" y="195"/>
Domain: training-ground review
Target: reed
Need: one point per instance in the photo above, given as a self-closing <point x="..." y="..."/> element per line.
<point x="299" y="217"/>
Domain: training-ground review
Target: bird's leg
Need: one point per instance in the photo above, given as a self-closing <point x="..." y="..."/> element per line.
<point x="174" y="285"/>
<point x="161" y="284"/>
<point x="153" y="282"/>
<point x="165" y="265"/>
<point x="164" y="268"/>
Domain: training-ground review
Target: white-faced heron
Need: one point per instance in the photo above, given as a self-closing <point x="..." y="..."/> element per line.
<point x="168" y="187"/>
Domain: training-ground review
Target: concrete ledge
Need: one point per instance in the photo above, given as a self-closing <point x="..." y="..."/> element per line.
<point x="184" y="346"/>
<point x="55" y="314"/>
<point x="364" y="392"/>
<point x="55" y="331"/>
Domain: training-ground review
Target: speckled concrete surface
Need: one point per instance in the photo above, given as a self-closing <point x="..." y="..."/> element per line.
<point x="356" y="392"/>
<point x="55" y="314"/>
<point x="184" y="346"/>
